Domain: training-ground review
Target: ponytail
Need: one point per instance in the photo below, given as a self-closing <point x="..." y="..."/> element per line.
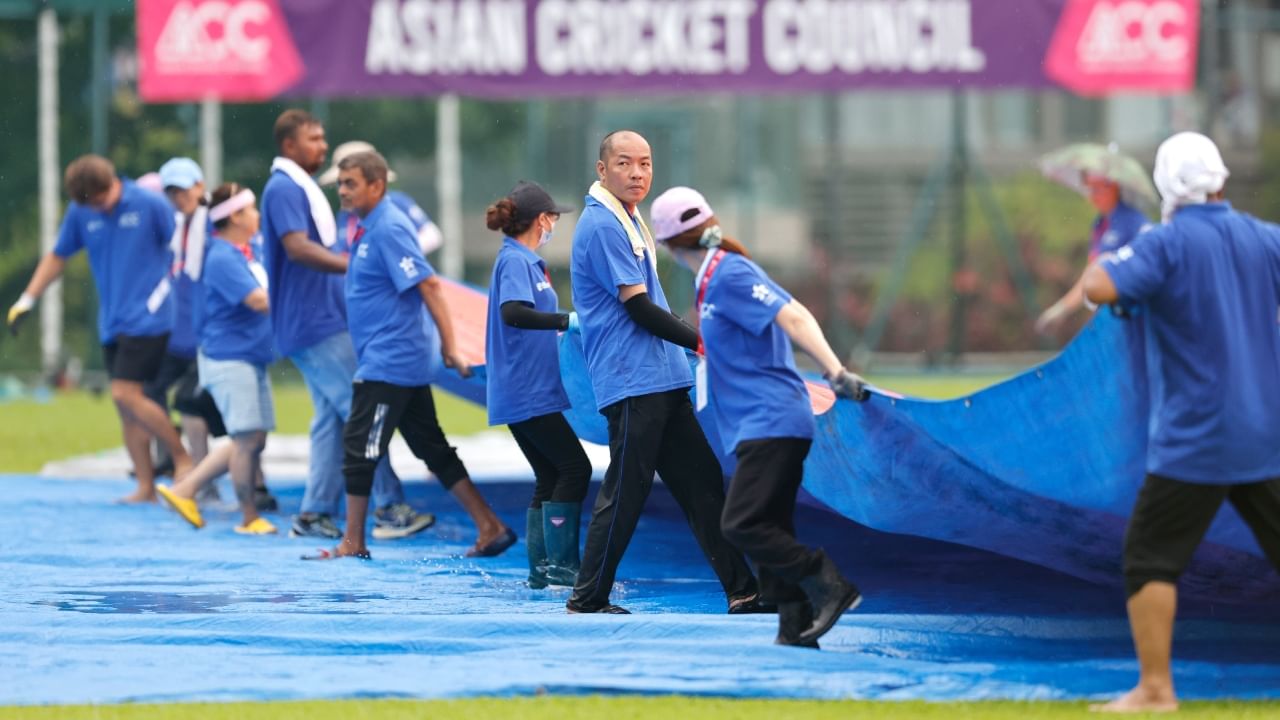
<point x="691" y="239"/>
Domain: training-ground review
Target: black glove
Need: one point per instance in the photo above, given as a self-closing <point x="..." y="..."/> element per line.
<point x="849" y="385"/>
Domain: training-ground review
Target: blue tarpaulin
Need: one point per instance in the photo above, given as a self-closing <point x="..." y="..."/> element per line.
<point x="108" y="603"/>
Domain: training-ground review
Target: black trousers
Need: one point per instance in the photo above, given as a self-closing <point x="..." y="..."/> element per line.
<point x="649" y="433"/>
<point x="561" y="469"/>
<point x="377" y="410"/>
<point x="1171" y="517"/>
<point x="759" y="514"/>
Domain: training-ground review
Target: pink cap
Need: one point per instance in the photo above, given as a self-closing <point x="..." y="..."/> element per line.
<point x="151" y="181"/>
<point x="677" y="210"/>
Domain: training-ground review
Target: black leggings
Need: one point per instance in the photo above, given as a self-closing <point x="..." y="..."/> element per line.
<point x="561" y="469"/>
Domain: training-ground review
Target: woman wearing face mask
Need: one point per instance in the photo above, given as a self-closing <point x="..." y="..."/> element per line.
<point x="762" y="409"/>
<point x="524" y="391"/>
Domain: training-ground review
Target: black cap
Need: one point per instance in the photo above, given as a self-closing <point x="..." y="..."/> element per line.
<point x="531" y="201"/>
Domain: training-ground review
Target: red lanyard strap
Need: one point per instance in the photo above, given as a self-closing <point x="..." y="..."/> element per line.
<point x="702" y="294"/>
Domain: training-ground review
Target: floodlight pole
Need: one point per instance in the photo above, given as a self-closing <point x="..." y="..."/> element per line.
<point x="959" y="178"/>
<point x="47" y="139"/>
<point x="211" y="141"/>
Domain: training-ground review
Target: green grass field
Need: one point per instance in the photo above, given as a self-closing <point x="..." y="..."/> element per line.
<point x="76" y="423"/>
<point x="609" y="708"/>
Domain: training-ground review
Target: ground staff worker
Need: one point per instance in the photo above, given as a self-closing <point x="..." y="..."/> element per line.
<point x="235" y="351"/>
<point x="523" y="388"/>
<point x="126" y="231"/>
<point x="641" y="381"/>
<point x="305" y="263"/>
<point x="388" y="282"/>
<point x="1210" y="281"/>
<point x="762" y="408"/>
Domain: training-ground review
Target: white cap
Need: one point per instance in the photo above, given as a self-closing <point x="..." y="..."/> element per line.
<point x="342" y="152"/>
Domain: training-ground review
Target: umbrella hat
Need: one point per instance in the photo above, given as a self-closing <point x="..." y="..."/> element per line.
<point x="1068" y="166"/>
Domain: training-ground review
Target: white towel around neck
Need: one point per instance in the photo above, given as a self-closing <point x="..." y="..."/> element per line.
<point x="642" y="239"/>
<point x="190" y="261"/>
<point x="321" y="213"/>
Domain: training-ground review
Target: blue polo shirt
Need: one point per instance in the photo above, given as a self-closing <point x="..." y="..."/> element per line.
<point x="624" y="359"/>
<point x="347" y="220"/>
<point x="1210" y="280"/>
<point x="523" y="366"/>
<point x="383" y="301"/>
<point x="232" y="330"/>
<point x="130" y="259"/>
<point x="1116" y="229"/>
<point x="306" y="304"/>
<point x="753" y="387"/>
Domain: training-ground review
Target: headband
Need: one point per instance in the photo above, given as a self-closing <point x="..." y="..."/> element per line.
<point x="232" y="205"/>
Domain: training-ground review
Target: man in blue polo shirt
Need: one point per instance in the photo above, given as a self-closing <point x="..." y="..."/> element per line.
<point x="429" y="236"/>
<point x="388" y="283"/>
<point x="641" y="381"/>
<point x="126" y="231"/>
<point x="305" y="263"/>
<point x="1210" y="281"/>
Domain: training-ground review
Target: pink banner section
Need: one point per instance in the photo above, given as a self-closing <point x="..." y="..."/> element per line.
<point x="1104" y="46"/>
<point x="260" y="49"/>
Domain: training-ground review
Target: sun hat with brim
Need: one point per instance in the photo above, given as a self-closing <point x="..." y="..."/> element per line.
<point x="532" y="200"/>
<point x="678" y="210"/>
<point x="344" y="151"/>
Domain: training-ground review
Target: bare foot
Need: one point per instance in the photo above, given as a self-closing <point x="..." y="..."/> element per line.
<point x="137" y="497"/>
<point x="1140" y="700"/>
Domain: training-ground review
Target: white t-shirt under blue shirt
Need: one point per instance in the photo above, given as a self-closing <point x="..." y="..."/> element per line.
<point x="1210" y="280"/>
<point x="623" y="359"/>
<point x="130" y="256"/>
<point x="754" y="390"/>
<point x="523" y="365"/>
<point x="383" y="301"/>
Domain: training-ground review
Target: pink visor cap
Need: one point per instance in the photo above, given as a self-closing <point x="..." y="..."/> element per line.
<point x="677" y="210"/>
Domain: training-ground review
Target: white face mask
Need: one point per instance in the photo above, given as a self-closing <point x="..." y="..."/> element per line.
<point x="546" y="236"/>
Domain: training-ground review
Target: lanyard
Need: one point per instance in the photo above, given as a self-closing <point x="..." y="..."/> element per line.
<point x="702" y="293"/>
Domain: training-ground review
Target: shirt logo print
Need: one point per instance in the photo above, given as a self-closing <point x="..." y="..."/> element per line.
<point x="93" y="226"/>
<point x="543" y="285"/>
<point x="763" y="293"/>
<point x="362" y="250"/>
<point x="406" y="264"/>
<point x="707" y="311"/>
<point x="130" y="219"/>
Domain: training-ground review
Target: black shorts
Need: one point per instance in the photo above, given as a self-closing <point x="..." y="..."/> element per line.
<point x="378" y="409"/>
<point x="1171" y="517"/>
<point x="190" y="399"/>
<point x="135" y="358"/>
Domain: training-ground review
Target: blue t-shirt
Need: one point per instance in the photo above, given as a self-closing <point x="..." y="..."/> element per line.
<point x="1210" y="280"/>
<point x="130" y="259"/>
<point x="624" y="359"/>
<point x="523" y="366"/>
<point x="753" y="387"/>
<point x="383" y="301"/>
<point x="232" y="330"/>
<point x="1116" y="229"/>
<point x="306" y="304"/>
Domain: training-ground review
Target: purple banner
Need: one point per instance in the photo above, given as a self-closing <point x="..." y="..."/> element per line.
<point x="506" y="48"/>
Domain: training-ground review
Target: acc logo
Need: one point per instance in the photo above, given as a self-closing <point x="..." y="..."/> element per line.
<point x="228" y="33"/>
<point x="707" y="311"/>
<point x="1102" y="46"/>
<point x="130" y="219"/>
<point x="1132" y="32"/>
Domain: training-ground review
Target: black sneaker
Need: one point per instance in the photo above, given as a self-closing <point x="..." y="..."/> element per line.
<point x="398" y="520"/>
<point x="314" y="525"/>
<point x="264" y="501"/>
<point x="606" y="609"/>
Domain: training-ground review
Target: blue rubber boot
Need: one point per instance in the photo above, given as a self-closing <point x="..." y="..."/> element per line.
<point x="560" y="530"/>
<point x="537" y="547"/>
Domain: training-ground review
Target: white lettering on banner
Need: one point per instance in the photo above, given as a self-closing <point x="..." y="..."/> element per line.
<point x="1134" y="33"/>
<point x="447" y="37"/>
<point x="643" y="37"/>
<point x="854" y="36"/>
<point x="214" y="38"/>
